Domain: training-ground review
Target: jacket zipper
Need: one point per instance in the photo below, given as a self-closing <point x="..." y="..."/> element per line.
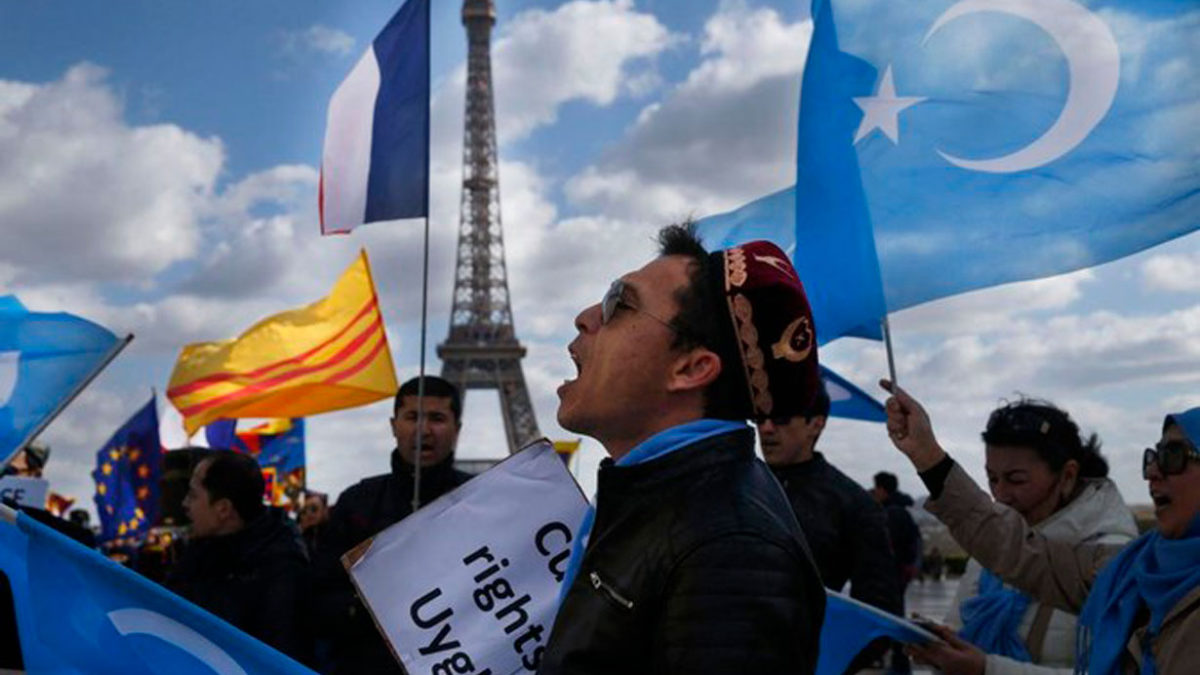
<point x="600" y="585"/>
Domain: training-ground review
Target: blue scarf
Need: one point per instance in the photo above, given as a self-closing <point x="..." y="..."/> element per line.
<point x="992" y="619"/>
<point x="1152" y="572"/>
<point x="663" y="443"/>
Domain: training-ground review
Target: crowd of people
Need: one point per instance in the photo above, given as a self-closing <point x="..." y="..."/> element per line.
<point x="696" y="556"/>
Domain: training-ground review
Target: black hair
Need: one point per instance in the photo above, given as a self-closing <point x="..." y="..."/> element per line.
<point x="698" y="322"/>
<point x="238" y="478"/>
<point x="434" y="386"/>
<point x="1050" y="431"/>
<point x="887" y="481"/>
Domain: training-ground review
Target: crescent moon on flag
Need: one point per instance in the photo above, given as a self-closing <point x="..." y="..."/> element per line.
<point x="138" y="621"/>
<point x="1093" y="63"/>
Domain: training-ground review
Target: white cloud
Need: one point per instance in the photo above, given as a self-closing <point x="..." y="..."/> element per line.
<point x="320" y="39"/>
<point x="85" y="196"/>
<point x="582" y="50"/>
<point x="743" y="47"/>
<point x="1180" y="273"/>
<point x="722" y="137"/>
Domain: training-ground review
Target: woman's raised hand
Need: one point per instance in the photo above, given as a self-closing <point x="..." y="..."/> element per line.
<point x="909" y="428"/>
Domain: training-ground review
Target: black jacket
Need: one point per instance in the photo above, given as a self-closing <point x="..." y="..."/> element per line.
<point x="695" y="565"/>
<point x="903" y="530"/>
<point x="846" y="531"/>
<point x="254" y="579"/>
<point x="362" y="511"/>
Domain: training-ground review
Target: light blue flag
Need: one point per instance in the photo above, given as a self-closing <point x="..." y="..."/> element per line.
<point x="848" y="401"/>
<point x="79" y="612"/>
<point x="851" y="625"/>
<point x="985" y="142"/>
<point x="44" y="359"/>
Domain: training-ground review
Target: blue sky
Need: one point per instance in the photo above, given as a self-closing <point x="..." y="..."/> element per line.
<point x="158" y="168"/>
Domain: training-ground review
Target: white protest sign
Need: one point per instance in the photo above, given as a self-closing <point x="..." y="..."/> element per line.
<point x="470" y="583"/>
<point x="25" y="491"/>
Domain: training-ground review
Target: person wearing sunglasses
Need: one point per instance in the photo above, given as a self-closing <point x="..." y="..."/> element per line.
<point x="691" y="560"/>
<point x="1138" y="604"/>
<point x="846" y="529"/>
<point x="1041" y="466"/>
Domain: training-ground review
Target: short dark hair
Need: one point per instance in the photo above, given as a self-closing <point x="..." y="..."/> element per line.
<point x="434" y="386"/>
<point x="238" y="478"/>
<point x="698" y="321"/>
<point x="1049" y="431"/>
<point x="887" y="481"/>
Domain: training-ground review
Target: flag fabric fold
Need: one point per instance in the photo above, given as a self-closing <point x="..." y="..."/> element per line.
<point x="848" y="401"/>
<point x="128" y="475"/>
<point x="44" y="358"/>
<point x="78" y="612"/>
<point x="971" y="169"/>
<point x="851" y="625"/>
<point x="329" y="355"/>
<point x="375" y="162"/>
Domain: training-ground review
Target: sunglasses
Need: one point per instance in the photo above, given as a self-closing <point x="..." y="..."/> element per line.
<point x="615" y="299"/>
<point x="1171" y="457"/>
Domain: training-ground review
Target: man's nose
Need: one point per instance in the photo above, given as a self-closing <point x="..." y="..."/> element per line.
<point x="588" y="320"/>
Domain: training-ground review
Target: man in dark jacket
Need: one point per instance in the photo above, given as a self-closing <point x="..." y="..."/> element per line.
<point x="845" y="529"/>
<point x="693" y="561"/>
<point x="243" y="562"/>
<point x="376" y="503"/>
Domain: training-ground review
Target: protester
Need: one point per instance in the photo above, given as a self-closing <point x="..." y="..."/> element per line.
<point x="30" y="462"/>
<point x="314" y="519"/>
<point x="375" y="503"/>
<point x="1040" y="466"/>
<point x="243" y="562"/>
<point x="845" y="529"/>
<point x="1139" y="605"/>
<point x="906" y="544"/>
<point x="694" y="562"/>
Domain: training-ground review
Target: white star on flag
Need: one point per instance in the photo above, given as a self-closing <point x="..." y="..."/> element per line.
<point x="882" y="111"/>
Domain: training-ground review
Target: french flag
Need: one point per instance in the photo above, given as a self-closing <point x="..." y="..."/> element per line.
<point x="375" y="162"/>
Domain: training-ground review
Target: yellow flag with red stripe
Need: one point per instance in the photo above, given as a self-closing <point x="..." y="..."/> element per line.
<point x="330" y="355"/>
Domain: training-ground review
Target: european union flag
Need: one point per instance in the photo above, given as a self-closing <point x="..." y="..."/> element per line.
<point x="78" y="612"/>
<point x="127" y="475"/>
<point x="45" y="358"/>
<point x="973" y="143"/>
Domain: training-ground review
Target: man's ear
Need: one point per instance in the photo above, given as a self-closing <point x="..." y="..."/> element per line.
<point x="694" y="370"/>
<point x="224" y="508"/>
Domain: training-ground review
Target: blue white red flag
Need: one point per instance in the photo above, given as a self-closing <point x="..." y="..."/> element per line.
<point x="922" y="138"/>
<point x="375" y="163"/>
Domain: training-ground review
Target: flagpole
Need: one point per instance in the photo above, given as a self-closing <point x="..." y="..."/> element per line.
<point x="887" y="343"/>
<point x="416" y="500"/>
<point x="108" y="358"/>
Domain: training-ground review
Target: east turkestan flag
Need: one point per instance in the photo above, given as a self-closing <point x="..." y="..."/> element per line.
<point x="330" y="355"/>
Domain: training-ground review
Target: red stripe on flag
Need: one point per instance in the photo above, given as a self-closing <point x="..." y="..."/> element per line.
<point x="345" y="353"/>
<point x="225" y="376"/>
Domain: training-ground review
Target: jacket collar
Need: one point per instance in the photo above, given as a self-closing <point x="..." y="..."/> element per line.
<point x="442" y="472"/>
<point x="814" y="465"/>
<point x="704" y="454"/>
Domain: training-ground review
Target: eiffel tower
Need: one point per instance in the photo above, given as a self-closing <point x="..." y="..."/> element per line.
<point x="482" y="351"/>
